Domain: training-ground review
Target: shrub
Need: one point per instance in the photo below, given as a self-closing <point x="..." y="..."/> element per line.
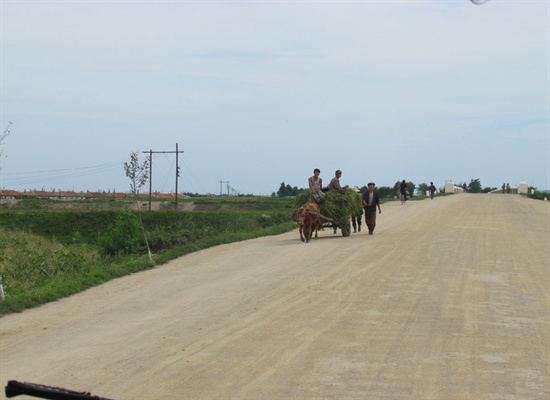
<point x="123" y="237"/>
<point x="165" y="237"/>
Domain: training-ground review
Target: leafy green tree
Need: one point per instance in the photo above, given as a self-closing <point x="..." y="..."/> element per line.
<point x="282" y="192"/>
<point x="296" y="191"/>
<point x="474" y="186"/>
<point x="386" y="192"/>
<point x="286" y="190"/>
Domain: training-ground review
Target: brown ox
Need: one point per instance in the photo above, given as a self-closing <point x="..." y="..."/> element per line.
<point x="308" y="217"/>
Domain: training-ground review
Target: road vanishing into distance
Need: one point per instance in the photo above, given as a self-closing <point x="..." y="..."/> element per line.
<point x="449" y="299"/>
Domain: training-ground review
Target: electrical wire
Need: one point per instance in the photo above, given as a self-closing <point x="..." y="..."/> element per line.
<point x="32" y="177"/>
<point x="189" y="168"/>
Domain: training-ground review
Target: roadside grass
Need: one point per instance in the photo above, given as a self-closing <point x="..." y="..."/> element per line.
<point x="31" y="265"/>
<point x="241" y="203"/>
<point x="46" y="255"/>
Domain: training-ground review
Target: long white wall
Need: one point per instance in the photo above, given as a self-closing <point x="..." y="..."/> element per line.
<point x="450" y="187"/>
<point x="521" y="188"/>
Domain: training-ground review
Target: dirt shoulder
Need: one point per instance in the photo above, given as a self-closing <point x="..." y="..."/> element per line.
<point x="449" y="299"/>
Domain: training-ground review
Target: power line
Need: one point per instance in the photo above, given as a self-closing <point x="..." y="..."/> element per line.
<point x="100" y="166"/>
<point x="193" y="174"/>
<point x="227" y="182"/>
<point x="30" y="177"/>
<point x="165" y="169"/>
<point x="151" y="152"/>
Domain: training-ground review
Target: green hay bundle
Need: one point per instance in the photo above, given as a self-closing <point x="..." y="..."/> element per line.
<point x="339" y="207"/>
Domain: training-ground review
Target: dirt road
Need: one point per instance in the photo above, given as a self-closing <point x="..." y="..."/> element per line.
<point x="449" y="299"/>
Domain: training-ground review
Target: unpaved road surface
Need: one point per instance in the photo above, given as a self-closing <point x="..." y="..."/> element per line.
<point x="449" y="299"/>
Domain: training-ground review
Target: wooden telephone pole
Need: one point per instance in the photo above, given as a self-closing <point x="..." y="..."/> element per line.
<point x="151" y="172"/>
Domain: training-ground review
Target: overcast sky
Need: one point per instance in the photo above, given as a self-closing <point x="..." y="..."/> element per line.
<point x="262" y="92"/>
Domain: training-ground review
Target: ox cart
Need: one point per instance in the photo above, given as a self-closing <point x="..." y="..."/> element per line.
<point x="337" y="208"/>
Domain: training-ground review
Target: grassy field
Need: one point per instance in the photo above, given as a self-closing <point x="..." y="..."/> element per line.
<point x="51" y="249"/>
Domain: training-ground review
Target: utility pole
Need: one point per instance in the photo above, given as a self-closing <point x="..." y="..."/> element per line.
<point x="221" y="187"/>
<point x="151" y="172"/>
<point x="4" y="135"/>
<point x="177" y="175"/>
<point x="150" y="176"/>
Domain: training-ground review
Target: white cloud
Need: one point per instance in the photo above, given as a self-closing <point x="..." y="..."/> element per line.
<point x="245" y="87"/>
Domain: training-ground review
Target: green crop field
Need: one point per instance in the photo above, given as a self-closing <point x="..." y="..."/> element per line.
<point x="52" y="250"/>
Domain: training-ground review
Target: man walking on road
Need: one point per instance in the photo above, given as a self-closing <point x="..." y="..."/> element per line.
<point x="403" y="191"/>
<point x="370" y="202"/>
<point x="432" y="190"/>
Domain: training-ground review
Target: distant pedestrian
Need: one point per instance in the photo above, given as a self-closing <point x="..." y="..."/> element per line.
<point x="432" y="190"/>
<point x="507" y="188"/>
<point x="403" y="191"/>
<point x="370" y="202"/>
<point x="503" y="187"/>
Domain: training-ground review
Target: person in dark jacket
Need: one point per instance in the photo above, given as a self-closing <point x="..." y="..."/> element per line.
<point x="403" y="191"/>
<point x="356" y="221"/>
<point x="370" y="202"/>
<point x="432" y="190"/>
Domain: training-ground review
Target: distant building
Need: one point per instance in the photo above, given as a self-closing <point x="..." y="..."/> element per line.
<point x="450" y="187"/>
<point x="523" y="188"/>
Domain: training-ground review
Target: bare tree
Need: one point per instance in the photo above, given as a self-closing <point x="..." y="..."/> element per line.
<point x="139" y="175"/>
<point x="2" y="138"/>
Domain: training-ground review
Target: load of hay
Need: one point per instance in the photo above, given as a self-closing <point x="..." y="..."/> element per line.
<point x="339" y="207"/>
